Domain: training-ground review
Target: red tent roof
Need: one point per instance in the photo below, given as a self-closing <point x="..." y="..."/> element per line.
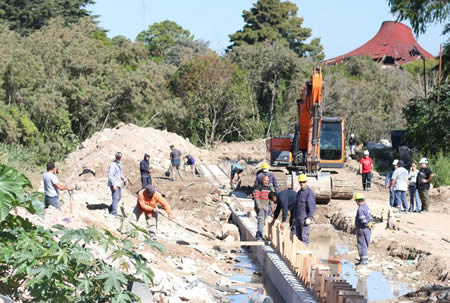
<point x="394" y="43"/>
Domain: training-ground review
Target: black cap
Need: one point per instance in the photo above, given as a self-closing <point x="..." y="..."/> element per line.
<point x="150" y="189"/>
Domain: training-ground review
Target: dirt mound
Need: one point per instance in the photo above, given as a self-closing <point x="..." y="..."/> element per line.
<point x="97" y="152"/>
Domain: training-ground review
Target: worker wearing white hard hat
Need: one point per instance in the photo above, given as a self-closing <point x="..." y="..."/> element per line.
<point x="423" y="182"/>
<point x="365" y="169"/>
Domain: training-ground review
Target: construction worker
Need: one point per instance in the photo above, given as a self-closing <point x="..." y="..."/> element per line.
<point x="52" y="186"/>
<point x="363" y="226"/>
<point x="115" y="178"/>
<point x="365" y="169"/>
<point x="400" y="185"/>
<point x="265" y="172"/>
<point x="352" y="144"/>
<point x="175" y="161"/>
<point x="236" y="171"/>
<point x="286" y="201"/>
<point x="423" y="180"/>
<point x="388" y="183"/>
<point x="190" y="161"/>
<point x="147" y="202"/>
<point x="145" y="171"/>
<point x="413" y="191"/>
<point x="261" y="198"/>
<point x="305" y="208"/>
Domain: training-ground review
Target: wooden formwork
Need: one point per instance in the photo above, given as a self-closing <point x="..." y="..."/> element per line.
<point x="326" y="286"/>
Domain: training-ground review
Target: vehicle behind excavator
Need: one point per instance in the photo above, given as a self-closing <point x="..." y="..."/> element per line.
<point x="317" y="148"/>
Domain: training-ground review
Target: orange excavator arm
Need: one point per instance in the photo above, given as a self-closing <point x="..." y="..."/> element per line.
<point x="309" y="121"/>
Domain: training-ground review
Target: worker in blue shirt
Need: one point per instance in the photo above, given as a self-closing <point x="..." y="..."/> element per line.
<point x="305" y="208"/>
<point x="286" y="201"/>
<point x="363" y="226"/>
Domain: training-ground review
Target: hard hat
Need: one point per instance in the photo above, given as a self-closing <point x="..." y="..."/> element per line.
<point x="265" y="165"/>
<point x="302" y="178"/>
<point x="352" y="135"/>
<point x="423" y="160"/>
<point x="366" y="152"/>
<point x="118" y="155"/>
<point x="395" y="162"/>
<point x="359" y="196"/>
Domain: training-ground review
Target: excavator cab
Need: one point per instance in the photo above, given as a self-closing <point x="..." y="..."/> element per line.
<point x="332" y="143"/>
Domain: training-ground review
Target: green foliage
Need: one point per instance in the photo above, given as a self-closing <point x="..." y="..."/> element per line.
<point x="440" y="166"/>
<point x="60" y="265"/>
<point x="366" y="93"/>
<point x="28" y="15"/>
<point x="213" y="94"/>
<point x="273" y="20"/>
<point x="161" y="36"/>
<point x="415" y="68"/>
<point x="274" y="76"/>
<point x="428" y="120"/>
<point x="420" y="13"/>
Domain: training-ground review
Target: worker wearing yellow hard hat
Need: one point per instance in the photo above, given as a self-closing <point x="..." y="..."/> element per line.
<point x="306" y="206"/>
<point x="363" y="225"/>
<point x="273" y="183"/>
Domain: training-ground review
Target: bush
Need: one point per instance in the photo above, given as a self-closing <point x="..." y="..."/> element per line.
<point x="440" y="165"/>
<point x="61" y="265"/>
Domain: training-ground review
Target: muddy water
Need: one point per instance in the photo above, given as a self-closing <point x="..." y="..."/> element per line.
<point x="326" y="242"/>
<point x="248" y="276"/>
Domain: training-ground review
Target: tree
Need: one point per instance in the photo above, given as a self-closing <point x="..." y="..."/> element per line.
<point x="214" y="99"/>
<point x="275" y="75"/>
<point x="273" y="20"/>
<point x="28" y="15"/>
<point x="369" y="97"/>
<point x="420" y="13"/>
<point x="428" y="120"/>
<point x="161" y="36"/>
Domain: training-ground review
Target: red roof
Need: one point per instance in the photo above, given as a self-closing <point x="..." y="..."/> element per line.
<point x="394" y="43"/>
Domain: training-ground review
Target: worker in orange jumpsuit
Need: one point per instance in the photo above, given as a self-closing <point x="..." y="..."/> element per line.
<point x="147" y="202"/>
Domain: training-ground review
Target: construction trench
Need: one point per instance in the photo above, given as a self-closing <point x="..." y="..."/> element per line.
<point x="287" y="271"/>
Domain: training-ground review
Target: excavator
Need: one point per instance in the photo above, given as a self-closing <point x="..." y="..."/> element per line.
<point x="317" y="147"/>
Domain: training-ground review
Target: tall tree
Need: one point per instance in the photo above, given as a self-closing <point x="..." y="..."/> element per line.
<point x="273" y="20"/>
<point x="275" y="74"/>
<point x="25" y="16"/>
<point x="214" y="98"/>
<point x="161" y="36"/>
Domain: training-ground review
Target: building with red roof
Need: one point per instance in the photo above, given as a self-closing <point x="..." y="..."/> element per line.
<point x="394" y="44"/>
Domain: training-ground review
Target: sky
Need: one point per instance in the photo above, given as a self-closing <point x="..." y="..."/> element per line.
<point x="341" y="25"/>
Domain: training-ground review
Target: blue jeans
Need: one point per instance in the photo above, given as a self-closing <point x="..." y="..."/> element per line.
<point x="146" y="180"/>
<point x="53" y="201"/>
<point x="392" y="198"/>
<point x="413" y="192"/>
<point x="116" y="196"/>
<point x="400" y="197"/>
<point x="352" y="149"/>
